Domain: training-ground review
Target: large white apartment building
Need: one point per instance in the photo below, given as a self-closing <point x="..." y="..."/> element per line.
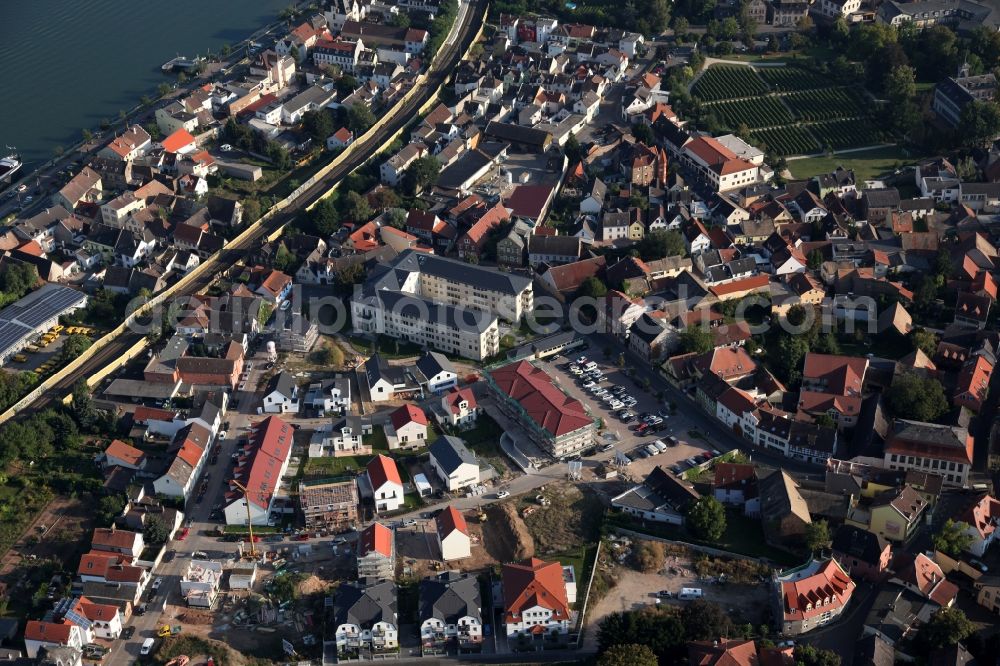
<point x="441" y="304"/>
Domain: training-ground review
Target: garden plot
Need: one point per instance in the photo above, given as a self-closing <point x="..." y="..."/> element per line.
<point x="789" y="110"/>
<point x="726" y="82"/>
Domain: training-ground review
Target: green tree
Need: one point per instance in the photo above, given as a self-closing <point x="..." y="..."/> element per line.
<point x="658" y="629"/>
<point x="572" y="149"/>
<point x="696" y="340"/>
<point x="318" y="124"/>
<point x="660" y="244"/>
<point x="156" y="531"/>
<point x="396" y="217"/>
<point x="631" y="654"/>
<point x="706" y="518"/>
<point x="73" y="346"/>
<point x="913" y="396"/>
<point x="383" y="199"/>
<point x="979" y="123"/>
<point x="346" y="84"/>
<point x="704" y="620"/>
<point x="924" y="340"/>
<point x="110" y="507"/>
<point x="592" y="288"/>
<point x="83" y="405"/>
<point x="953" y="538"/>
<point x="947" y="626"/>
<point x="16" y="279"/>
<point x="815" y="259"/>
<point x="356" y="207"/>
<point x="325" y="217"/>
<point x="284" y="260"/>
<point x="360" y="118"/>
<point x="817" y="535"/>
<point x="423" y="173"/>
<point x="251" y="211"/>
<point x="807" y="655"/>
<point x="901" y="89"/>
<point x="163" y="89"/>
<point x="88" y="136"/>
<point x="643" y="133"/>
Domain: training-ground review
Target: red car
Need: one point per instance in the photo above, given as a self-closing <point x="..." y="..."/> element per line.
<point x="302" y="537"/>
<point x="256" y="539"/>
<point x="182" y="534"/>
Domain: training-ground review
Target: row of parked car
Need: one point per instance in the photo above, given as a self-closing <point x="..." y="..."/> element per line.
<point x="693" y="461"/>
<point x="617" y="398"/>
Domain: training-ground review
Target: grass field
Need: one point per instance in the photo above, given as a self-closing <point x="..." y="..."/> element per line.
<point x="867" y="164"/>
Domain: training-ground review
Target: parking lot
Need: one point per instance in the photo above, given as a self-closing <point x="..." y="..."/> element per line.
<point x="628" y="437"/>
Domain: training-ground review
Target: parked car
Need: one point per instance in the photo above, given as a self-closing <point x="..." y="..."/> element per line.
<point x="660" y="445"/>
<point x="664" y="594"/>
<point x="157" y="582"/>
<point x="581" y="360"/>
<point x="147" y="646"/>
<point x="606" y="448"/>
<point x="677" y="470"/>
<point x="128" y="633"/>
<point x="503" y="494"/>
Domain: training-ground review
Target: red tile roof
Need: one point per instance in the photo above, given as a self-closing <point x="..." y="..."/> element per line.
<point x="457" y="395"/>
<point x="365" y="238"/>
<point x="381" y="470"/>
<point x="113" y="538"/>
<point x="734" y="475"/>
<point x="569" y="277"/>
<point x="450" y="520"/>
<point x="144" y="414"/>
<point x="736" y="652"/>
<point x="549" y="407"/>
<point x="826" y="589"/>
<point x="271" y="442"/>
<point x="927" y="576"/>
<point x="972" y="383"/>
<point x="48" y="632"/>
<point x="376" y="538"/>
<point x="531" y="583"/>
<point x="408" y="414"/>
<point x="528" y="200"/>
<point x="124" y="452"/>
<point x="177" y="141"/>
<point x="983" y="515"/>
<point x="832" y="382"/>
<point x="739" y="286"/>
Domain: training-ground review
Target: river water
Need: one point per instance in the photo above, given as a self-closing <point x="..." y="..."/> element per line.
<point x="68" y="64"/>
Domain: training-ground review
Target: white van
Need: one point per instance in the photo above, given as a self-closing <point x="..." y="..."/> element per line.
<point x="691" y="593"/>
<point x="147" y="646"/>
<point x="659" y="444"/>
<point x="651" y="450"/>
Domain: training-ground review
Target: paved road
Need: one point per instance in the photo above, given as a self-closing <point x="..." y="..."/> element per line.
<point x="449" y="56"/>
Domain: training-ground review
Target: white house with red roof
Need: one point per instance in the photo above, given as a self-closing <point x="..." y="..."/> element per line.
<point x="260" y="470"/>
<point x="718" y="166"/>
<point x="377" y="552"/>
<point x="127" y="146"/>
<point x="73" y="622"/>
<point x="460" y="407"/>
<point x="180" y="142"/>
<point x="453" y="535"/>
<point x="982" y="517"/>
<point x="385" y="483"/>
<point x="536" y="597"/>
<point x="113" y="540"/>
<point x="558" y="423"/>
<point x="112" y="568"/>
<point x="340" y="139"/>
<point x="811" y="595"/>
<point x="124" y="455"/>
<point x="407" y="428"/>
<point x="188" y="450"/>
<point x="39" y="634"/>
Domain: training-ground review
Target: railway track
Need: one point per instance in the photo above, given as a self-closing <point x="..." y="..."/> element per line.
<point x="450" y="54"/>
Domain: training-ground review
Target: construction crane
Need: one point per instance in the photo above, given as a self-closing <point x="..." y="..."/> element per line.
<point x="246" y="500"/>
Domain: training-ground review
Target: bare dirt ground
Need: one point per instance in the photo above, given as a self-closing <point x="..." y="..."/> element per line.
<point x="634" y="589"/>
<point x="571" y="519"/>
<point x="56" y="533"/>
<point x="418" y="553"/>
<point x="506" y="537"/>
